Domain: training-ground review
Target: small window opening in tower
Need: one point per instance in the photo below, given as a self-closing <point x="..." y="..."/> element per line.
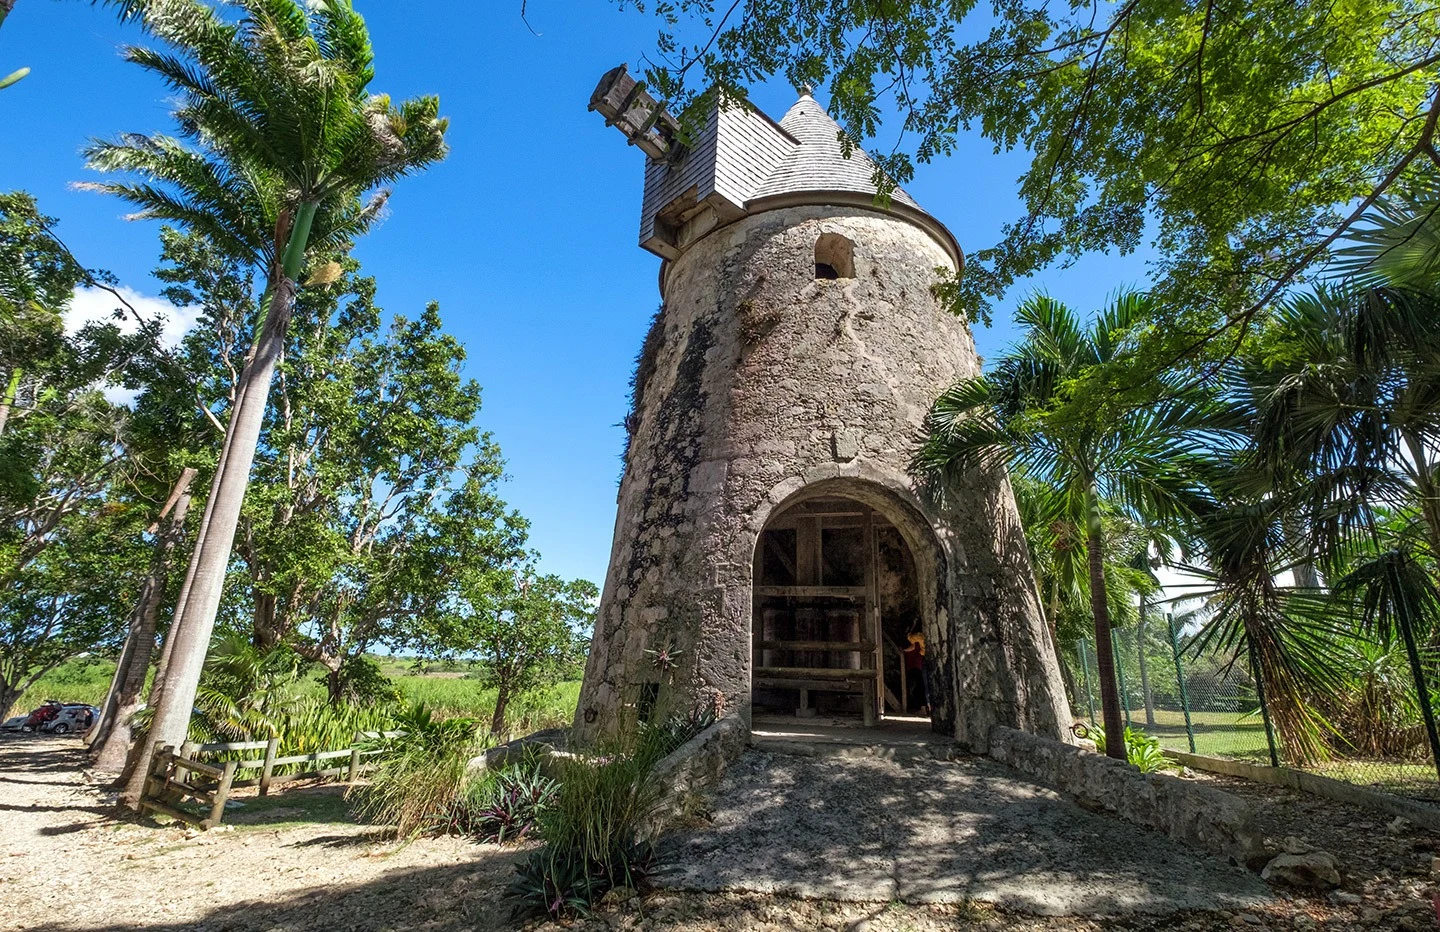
<point x="649" y="697"/>
<point x="834" y="257"/>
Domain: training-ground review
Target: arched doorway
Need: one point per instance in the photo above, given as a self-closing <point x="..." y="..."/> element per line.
<point x="836" y="593"/>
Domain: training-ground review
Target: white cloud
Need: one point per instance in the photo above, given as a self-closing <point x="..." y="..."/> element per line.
<point x="96" y="305"/>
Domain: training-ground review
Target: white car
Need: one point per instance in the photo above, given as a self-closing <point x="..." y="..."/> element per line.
<point x="14" y="724"/>
<point x="75" y="718"/>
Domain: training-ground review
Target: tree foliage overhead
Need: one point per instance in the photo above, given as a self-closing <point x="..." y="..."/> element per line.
<point x="1246" y="136"/>
<point x="68" y="491"/>
<point x="274" y="113"/>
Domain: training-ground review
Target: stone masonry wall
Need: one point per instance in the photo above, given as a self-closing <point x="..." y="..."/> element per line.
<point x="1200" y="816"/>
<point x="767" y="386"/>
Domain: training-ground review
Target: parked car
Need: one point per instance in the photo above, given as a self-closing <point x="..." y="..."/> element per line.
<point x="77" y="717"/>
<point x="14" y="724"/>
<point x="42" y="715"/>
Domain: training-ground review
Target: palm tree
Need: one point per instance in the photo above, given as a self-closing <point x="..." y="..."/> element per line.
<point x="1048" y="414"/>
<point x="1286" y="635"/>
<point x="1345" y="386"/>
<point x="280" y="141"/>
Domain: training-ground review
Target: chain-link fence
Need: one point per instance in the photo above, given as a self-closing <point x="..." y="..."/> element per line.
<point x="1208" y="704"/>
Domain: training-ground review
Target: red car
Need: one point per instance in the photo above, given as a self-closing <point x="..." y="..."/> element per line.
<point x="47" y="711"/>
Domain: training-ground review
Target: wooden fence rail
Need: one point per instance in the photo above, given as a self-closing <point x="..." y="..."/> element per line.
<point x="169" y="783"/>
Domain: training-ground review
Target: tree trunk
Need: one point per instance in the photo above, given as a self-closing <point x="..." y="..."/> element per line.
<point x="12" y="389"/>
<point x="1112" y="717"/>
<point x="1405" y="615"/>
<point x="263" y="633"/>
<point x="1144" y="668"/>
<point x="9" y="695"/>
<point x="1425" y="485"/>
<point x="497" y="721"/>
<point x="211" y="558"/>
<point x="112" y="736"/>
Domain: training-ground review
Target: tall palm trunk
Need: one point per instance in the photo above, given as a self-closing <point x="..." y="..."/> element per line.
<point x="205" y="579"/>
<point x="1112" y="716"/>
<point x="11" y="390"/>
<point x="112" y="736"/>
<point x="1145" y="694"/>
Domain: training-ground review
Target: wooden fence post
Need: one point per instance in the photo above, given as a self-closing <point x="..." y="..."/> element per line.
<point x="222" y="793"/>
<point x="159" y="765"/>
<point x="268" y="770"/>
<point x="354" y="765"/>
<point x="190" y="750"/>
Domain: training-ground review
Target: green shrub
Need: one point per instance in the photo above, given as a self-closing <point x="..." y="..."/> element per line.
<point x="1141" y="750"/>
<point x="422" y="774"/>
<point x="564" y="882"/>
<point x="591" y="831"/>
<point x="512" y="803"/>
<point x="364" y="683"/>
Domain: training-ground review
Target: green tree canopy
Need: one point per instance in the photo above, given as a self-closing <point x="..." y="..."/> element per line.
<point x="1245" y="135"/>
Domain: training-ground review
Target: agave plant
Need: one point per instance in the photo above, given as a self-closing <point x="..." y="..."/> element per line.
<point x="517" y="799"/>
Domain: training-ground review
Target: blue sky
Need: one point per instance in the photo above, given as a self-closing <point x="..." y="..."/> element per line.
<point x="526" y="235"/>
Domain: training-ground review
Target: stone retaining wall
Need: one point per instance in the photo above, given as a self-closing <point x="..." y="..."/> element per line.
<point x="1417" y="812"/>
<point x="695" y="767"/>
<point x="1199" y="816"/>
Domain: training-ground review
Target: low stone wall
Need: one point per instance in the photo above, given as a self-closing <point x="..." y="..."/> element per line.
<point x="542" y="744"/>
<point x="695" y="767"/>
<point x="1199" y="816"/>
<point x="1419" y="813"/>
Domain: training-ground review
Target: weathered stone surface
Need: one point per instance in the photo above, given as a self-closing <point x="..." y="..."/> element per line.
<point x="1311" y="870"/>
<point x="695" y="767"/>
<point x="932" y="831"/>
<point x="541" y="744"/>
<point x="1206" y="818"/>
<point x="761" y="385"/>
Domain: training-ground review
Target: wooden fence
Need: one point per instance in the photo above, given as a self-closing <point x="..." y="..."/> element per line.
<point x="177" y="777"/>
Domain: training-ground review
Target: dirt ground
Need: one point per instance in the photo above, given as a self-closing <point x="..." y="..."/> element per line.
<point x="297" y="862"/>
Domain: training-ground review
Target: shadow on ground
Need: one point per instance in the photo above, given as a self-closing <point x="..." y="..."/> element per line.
<point x="460" y="896"/>
<point x="933" y="831"/>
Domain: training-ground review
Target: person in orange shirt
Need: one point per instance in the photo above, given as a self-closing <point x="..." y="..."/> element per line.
<point x="914" y="655"/>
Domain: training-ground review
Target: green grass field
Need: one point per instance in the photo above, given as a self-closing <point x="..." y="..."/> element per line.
<point x="85" y="679"/>
<point x="448" y="693"/>
<point x="1242" y="737"/>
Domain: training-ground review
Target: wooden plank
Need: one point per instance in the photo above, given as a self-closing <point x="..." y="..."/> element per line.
<point x="808" y="559"/>
<point x="786" y="560"/>
<point x="855" y="685"/>
<point x="222" y="793"/>
<point x="815" y="645"/>
<point x="232" y="746"/>
<point x="210" y="770"/>
<point x="267" y="766"/>
<point x="817" y="673"/>
<point x="179" y="814"/>
<point x="182" y="790"/>
<point x="813" y="592"/>
<point x="872" y="621"/>
<point x="311" y="758"/>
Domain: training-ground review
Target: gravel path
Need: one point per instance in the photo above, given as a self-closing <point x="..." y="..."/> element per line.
<point x="935" y="831"/>
<point x="293" y="862"/>
<point x="296" y="863"/>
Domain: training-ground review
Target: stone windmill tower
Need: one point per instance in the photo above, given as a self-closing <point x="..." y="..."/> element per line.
<point x="771" y="552"/>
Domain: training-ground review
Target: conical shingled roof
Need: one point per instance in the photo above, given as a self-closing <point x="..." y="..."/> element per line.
<point x="819" y="163"/>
